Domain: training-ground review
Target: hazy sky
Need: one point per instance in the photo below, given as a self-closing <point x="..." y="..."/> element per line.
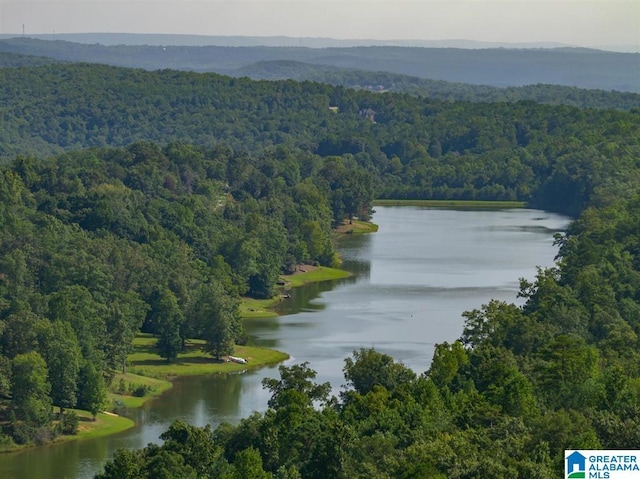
<point x="576" y="22"/>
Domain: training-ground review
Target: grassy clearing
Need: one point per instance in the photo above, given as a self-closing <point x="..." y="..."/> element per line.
<point x="258" y="308"/>
<point x="452" y="203"/>
<point x="356" y="227"/>
<point x="145" y="361"/>
<point x="104" y="425"/>
<point x="151" y="387"/>
<point x="263" y="308"/>
<point x="151" y="373"/>
<point x="312" y="274"/>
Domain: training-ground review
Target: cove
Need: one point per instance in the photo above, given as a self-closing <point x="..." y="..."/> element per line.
<point x="411" y="282"/>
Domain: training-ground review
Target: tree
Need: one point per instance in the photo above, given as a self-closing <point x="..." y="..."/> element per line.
<point x="298" y="377"/>
<point x="5" y="376"/>
<point x="126" y="464"/>
<point x="125" y="316"/>
<point x="217" y="319"/>
<point x="62" y="355"/>
<point x="447" y="361"/>
<point x="20" y="333"/>
<point x="368" y="368"/>
<point x="92" y="394"/>
<point x="30" y="389"/>
<point x="76" y="305"/>
<point x="194" y="444"/>
<point x="168" y="323"/>
<point x="567" y="371"/>
<point x="358" y="193"/>
<point x="161" y="463"/>
<point x="248" y="465"/>
<point x="490" y="323"/>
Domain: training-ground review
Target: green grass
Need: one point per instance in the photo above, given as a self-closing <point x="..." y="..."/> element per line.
<point x="357" y="227"/>
<point x="148" y="369"/>
<point x="452" y="203"/>
<point x="194" y="361"/>
<point x="258" y="308"/>
<point x="104" y="425"/>
<point x="263" y="308"/>
<point x="156" y="387"/>
<point x="321" y="273"/>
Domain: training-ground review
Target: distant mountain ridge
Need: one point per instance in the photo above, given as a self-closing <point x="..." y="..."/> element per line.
<point x="583" y="68"/>
<point x="392" y="82"/>
<point x="164" y="39"/>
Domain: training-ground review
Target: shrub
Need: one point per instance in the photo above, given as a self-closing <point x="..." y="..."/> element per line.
<point x="6" y="442"/>
<point x="69" y="425"/>
<point x="140" y="390"/>
<point x="43" y="435"/>
<point x="22" y="433"/>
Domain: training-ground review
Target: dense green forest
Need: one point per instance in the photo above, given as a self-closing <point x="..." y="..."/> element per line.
<point x="97" y="245"/>
<point x="553" y="157"/>
<point x="15" y="60"/>
<point x="521" y="385"/>
<point x="151" y="201"/>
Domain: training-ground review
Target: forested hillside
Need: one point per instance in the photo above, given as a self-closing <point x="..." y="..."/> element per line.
<point x="381" y="82"/>
<point x="554" y="157"/>
<point x="16" y="60"/>
<point x="438" y="89"/>
<point x="501" y="67"/>
<point x="133" y="200"/>
<point x="97" y="245"/>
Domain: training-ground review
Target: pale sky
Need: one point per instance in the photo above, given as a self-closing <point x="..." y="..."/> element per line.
<point x="574" y="22"/>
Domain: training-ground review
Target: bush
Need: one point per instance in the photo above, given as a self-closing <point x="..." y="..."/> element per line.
<point x="69" y="424"/>
<point x="22" y="433"/>
<point x="122" y="387"/>
<point x="6" y="442"/>
<point x="43" y="435"/>
<point x="140" y="390"/>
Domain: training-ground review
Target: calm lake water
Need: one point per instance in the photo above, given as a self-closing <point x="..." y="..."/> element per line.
<point x="412" y="280"/>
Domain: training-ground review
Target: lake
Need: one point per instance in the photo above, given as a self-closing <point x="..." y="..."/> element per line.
<point x="411" y="282"/>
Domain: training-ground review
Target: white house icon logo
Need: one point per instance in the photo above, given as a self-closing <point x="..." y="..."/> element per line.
<point x="576" y="466"/>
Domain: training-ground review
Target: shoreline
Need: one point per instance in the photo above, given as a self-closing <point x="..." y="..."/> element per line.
<point x="148" y="371"/>
<point x="264" y="308"/>
<point x="155" y="380"/>
<point x="453" y="203"/>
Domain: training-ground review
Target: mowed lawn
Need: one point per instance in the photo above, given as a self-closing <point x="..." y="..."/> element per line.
<point x="104" y="425"/>
<point x="145" y="361"/>
<point x="314" y="274"/>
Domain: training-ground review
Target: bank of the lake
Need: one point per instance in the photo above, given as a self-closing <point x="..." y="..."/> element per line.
<point x="194" y="361"/>
<point x="410" y="283"/>
<point x="148" y="376"/>
<point x="152" y="375"/>
<point x="89" y="427"/>
<point x="481" y="204"/>
<point x="356" y="227"/>
<point x="251" y="308"/>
